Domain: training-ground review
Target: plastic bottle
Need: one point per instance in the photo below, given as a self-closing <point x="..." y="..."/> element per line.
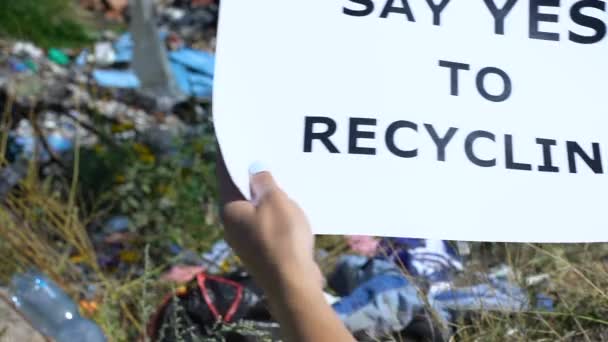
<point x="79" y="329"/>
<point x="50" y="310"/>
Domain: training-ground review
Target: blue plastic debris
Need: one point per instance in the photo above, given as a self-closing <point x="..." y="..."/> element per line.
<point x="193" y="69"/>
<point x="59" y="143"/>
<point x="17" y="65"/>
<point x="124" y="46"/>
<point x="116" y="78"/>
<point x="200" y="61"/>
<point x="192" y="83"/>
<point x="50" y="310"/>
<point x="81" y="59"/>
<point x="117" y="224"/>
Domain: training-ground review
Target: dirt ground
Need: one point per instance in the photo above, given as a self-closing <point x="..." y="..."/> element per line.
<point x="12" y="327"/>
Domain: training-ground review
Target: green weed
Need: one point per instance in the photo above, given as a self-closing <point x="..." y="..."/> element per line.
<point x="48" y="23"/>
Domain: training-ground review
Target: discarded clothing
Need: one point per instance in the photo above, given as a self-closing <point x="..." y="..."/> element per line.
<point x="354" y="270"/>
<point x="381" y="306"/>
<point x="378" y="299"/>
<point x="433" y="260"/>
<point x="497" y="295"/>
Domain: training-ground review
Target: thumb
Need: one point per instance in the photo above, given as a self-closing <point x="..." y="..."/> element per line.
<point x="261" y="181"/>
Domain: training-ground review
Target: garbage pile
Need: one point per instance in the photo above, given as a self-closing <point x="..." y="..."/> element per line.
<point x="118" y="78"/>
<point x="56" y="101"/>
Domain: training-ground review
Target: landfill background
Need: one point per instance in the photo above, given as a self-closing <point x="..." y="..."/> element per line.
<point x="109" y="227"/>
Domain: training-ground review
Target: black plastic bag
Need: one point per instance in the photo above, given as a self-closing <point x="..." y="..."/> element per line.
<point x="215" y="308"/>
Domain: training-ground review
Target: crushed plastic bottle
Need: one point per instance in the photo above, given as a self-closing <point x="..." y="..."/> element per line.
<point x="50" y="310"/>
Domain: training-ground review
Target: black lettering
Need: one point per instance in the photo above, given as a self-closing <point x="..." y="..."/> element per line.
<point x="355" y="134"/>
<point x="389" y="8"/>
<point x="390" y="139"/>
<point x="437" y="9"/>
<point x="536" y="17"/>
<point x="511" y="164"/>
<point x="500" y="14"/>
<point x="441" y="142"/>
<point x="594" y="163"/>
<point x="547" y="159"/>
<point x="367" y="10"/>
<point x="507" y="89"/>
<point x="454" y="68"/>
<point x="468" y="147"/>
<point x="587" y="21"/>
<point x="310" y="135"/>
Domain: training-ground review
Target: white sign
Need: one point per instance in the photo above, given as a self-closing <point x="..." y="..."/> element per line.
<point x="461" y="120"/>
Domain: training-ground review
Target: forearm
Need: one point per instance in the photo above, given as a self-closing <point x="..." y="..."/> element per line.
<point x="303" y="312"/>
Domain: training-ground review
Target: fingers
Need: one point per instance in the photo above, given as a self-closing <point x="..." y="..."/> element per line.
<point x="261" y="182"/>
<point x="239" y="218"/>
<point x="235" y="211"/>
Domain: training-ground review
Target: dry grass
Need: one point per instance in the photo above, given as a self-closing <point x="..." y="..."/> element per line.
<point x="577" y="279"/>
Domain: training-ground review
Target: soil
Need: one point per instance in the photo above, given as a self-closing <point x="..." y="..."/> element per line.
<point x="13" y="328"/>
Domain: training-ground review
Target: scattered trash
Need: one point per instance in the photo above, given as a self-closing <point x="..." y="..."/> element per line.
<point x="379" y="298"/>
<point x="434" y="260"/>
<point x="210" y="302"/>
<point x="182" y="274"/>
<point x="376" y="298"/>
<point x="58" y="57"/>
<point x="116" y="78"/>
<point x="50" y="310"/>
<point x="364" y="245"/>
<point x="17" y="65"/>
<point x="27" y="49"/>
<point x="117" y="224"/>
<point x="219" y="258"/>
<point x="79" y="329"/>
<point x="104" y="54"/>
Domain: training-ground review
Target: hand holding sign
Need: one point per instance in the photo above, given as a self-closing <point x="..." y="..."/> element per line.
<point x="450" y="120"/>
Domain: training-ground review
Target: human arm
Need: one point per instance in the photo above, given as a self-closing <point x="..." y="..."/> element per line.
<point x="273" y="238"/>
